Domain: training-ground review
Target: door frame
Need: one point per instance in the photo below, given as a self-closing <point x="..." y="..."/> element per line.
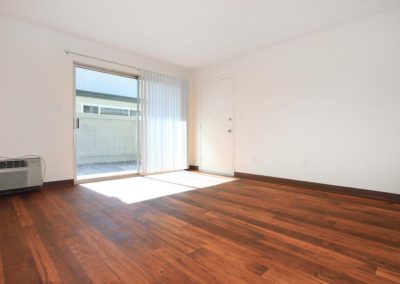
<point x="77" y="64"/>
<point x="202" y="83"/>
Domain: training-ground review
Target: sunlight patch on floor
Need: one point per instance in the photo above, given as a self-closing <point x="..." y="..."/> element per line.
<point x="192" y="179"/>
<point x="136" y="189"/>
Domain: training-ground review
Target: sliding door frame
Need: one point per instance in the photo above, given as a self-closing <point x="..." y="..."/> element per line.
<point x="112" y="71"/>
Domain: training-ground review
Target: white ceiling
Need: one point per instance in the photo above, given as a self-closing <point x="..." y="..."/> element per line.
<point x="191" y="33"/>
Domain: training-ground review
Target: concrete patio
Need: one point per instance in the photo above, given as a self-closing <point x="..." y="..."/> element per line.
<point x="101" y="169"/>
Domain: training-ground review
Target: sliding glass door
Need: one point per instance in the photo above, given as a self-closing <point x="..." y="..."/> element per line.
<point x="106" y="124"/>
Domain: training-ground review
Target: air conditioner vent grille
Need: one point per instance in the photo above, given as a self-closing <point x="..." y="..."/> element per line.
<point x="11" y="164"/>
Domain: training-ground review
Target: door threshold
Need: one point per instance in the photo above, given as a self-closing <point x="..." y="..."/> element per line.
<point x="97" y="178"/>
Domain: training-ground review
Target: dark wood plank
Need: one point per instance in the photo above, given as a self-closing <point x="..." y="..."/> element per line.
<point x="94" y="267"/>
<point x="54" y="229"/>
<point x="1" y="269"/>
<point x="18" y="263"/>
<point x="114" y="257"/>
<point x="22" y="213"/>
<point x="44" y="264"/>
<point x="391" y="197"/>
<point x="238" y="232"/>
<point x="388" y="274"/>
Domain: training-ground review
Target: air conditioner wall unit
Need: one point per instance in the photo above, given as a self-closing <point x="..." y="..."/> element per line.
<point x="20" y="174"/>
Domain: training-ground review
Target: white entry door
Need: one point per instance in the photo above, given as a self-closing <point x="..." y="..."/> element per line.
<point x="216" y="126"/>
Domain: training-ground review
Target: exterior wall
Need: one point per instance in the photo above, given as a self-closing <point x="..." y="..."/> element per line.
<point x="80" y="101"/>
<point x="103" y="138"/>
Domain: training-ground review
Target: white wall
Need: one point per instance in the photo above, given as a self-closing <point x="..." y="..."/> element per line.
<point x="36" y="91"/>
<point x="323" y="108"/>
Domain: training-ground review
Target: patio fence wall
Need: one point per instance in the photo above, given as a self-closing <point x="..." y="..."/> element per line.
<point x="106" y="139"/>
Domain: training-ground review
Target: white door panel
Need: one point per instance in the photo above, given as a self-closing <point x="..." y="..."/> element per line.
<point x="216" y="126"/>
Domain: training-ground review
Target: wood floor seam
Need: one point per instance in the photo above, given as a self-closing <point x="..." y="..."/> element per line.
<point x="236" y="232"/>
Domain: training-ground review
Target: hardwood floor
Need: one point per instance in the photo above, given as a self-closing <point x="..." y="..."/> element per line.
<point x="238" y="232"/>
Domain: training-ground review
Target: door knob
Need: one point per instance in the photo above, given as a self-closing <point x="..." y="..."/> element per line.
<point x="229" y="130"/>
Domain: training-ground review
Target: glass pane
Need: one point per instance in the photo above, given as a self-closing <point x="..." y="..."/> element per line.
<point x="106" y="140"/>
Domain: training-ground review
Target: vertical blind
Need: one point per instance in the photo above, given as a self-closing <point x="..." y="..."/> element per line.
<point x="163" y="129"/>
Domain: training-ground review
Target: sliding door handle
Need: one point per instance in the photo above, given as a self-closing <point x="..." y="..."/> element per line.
<point x="76" y="123"/>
